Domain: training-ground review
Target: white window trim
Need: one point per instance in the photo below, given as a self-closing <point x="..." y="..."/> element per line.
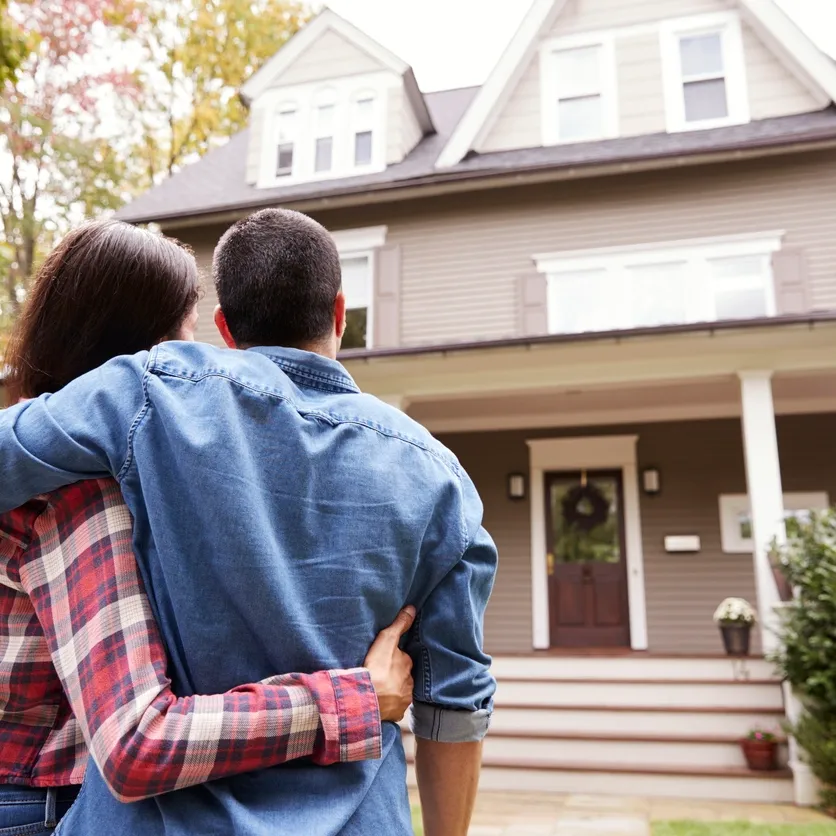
<point x="620" y="260"/>
<point x="732" y="505"/>
<point x="734" y="65"/>
<point x="363" y="242"/>
<point x="549" y="90"/>
<point x="612" y="452"/>
<point x="306" y="98"/>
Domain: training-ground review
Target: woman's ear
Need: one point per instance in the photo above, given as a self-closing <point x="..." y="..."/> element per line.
<point x="223" y="328"/>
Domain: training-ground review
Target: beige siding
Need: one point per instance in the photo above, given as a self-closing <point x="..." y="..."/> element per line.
<point x="258" y="124"/>
<point x="463" y="255"/>
<point x="203" y="241"/>
<point x="698" y="462"/>
<point x="403" y="130"/>
<point x="594" y="15"/>
<point x="518" y="123"/>
<point x="330" y="56"/>
<point x="773" y="89"/>
<point x="641" y="97"/>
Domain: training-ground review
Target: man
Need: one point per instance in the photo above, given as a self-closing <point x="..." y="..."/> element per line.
<point x="272" y="500"/>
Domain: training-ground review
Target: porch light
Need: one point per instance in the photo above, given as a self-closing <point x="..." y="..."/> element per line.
<point x="516" y="486"/>
<point x="651" y="481"/>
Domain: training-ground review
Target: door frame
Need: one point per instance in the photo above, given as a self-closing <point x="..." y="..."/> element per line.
<point x="608" y="452"/>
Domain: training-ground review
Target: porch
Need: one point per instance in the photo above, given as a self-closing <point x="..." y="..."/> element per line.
<point x="612" y="674"/>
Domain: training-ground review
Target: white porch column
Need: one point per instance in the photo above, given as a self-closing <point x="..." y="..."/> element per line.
<point x="766" y="496"/>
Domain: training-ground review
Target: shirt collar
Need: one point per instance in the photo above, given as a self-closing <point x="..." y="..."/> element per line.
<point x="310" y="369"/>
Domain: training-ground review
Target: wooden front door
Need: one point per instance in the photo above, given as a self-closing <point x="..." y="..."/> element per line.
<point x="587" y="563"/>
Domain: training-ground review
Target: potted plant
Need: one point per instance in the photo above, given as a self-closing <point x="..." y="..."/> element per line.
<point x="735" y="618"/>
<point x="760" y="748"/>
<point x="778" y="562"/>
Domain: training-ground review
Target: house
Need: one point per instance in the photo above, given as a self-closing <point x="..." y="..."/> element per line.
<point x="606" y="279"/>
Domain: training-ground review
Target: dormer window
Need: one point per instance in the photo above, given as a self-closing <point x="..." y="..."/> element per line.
<point x="285" y="140"/>
<point x="363" y="131"/>
<point x="579" y="90"/>
<point x="332" y="130"/>
<point x="704" y="73"/>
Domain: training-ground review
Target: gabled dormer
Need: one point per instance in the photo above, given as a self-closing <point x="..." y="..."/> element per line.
<point x="581" y="71"/>
<point x="332" y="103"/>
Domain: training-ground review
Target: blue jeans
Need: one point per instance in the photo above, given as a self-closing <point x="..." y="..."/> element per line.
<point x="25" y="811"/>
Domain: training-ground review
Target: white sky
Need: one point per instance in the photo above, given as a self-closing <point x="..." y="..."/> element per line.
<point x="455" y="43"/>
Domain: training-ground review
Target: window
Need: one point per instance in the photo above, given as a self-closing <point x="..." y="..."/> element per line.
<point x="579" y="91"/>
<point x="285" y="142"/>
<point x="357" y="288"/>
<point x="736" y="517"/>
<point x="324" y="152"/>
<point x="321" y="130"/>
<point x="704" y="72"/>
<point x="642" y="287"/>
<point x="363" y="131"/>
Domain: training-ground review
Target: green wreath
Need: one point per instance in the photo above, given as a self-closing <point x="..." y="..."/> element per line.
<point x="585" y="507"/>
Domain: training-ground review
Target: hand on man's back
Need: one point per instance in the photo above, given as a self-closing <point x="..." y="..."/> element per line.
<point x="391" y="668"/>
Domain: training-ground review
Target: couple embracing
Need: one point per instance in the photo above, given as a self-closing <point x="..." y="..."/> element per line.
<point x="199" y="546"/>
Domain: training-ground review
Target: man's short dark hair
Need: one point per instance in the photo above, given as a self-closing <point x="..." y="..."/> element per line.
<point x="277" y="274"/>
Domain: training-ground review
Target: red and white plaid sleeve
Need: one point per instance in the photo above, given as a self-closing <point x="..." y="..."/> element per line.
<point x="81" y="575"/>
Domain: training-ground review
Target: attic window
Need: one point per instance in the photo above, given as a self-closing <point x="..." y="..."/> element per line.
<point x="286" y="138"/>
<point x="324" y="154"/>
<point x="704" y="73"/>
<point x="579" y="90"/>
<point x="363" y="131"/>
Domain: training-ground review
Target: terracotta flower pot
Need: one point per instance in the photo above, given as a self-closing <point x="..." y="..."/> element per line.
<point x="761" y="755"/>
<point x="736" y="638"/>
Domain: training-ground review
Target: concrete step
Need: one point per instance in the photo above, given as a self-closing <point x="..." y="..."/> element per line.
<point x="716" y="721"/>
<point x="661" y="782"/>
<point x="592" y="750"/>
<point x="632" y="667"/>
<point x="639" y="693"/>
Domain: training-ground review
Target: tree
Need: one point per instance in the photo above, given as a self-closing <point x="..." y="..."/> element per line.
<point x="55" y="162"/>
<point x="198" y="54"/>
<point x="11" y="43"/>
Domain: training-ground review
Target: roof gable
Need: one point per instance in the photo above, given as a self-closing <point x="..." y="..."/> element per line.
<point x="330" y="22"/>
<point x="780" y="33"/>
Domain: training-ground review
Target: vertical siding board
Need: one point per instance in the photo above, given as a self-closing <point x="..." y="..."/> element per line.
<point x="533" y="304"/>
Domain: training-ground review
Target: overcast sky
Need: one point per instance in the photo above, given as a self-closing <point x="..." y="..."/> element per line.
<point x="455" y="43"/>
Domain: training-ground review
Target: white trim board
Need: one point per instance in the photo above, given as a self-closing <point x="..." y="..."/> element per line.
<point x="788" y="41"/>
<point x="595" y="452"/>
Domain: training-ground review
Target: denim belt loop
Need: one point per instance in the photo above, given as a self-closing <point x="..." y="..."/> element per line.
<point x="50" y="815"/>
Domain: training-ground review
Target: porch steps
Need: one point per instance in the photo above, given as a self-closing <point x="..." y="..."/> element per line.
<point x="653" y="726"/>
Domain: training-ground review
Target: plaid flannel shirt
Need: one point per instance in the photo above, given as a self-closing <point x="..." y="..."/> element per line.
<point x="82" y="665"/>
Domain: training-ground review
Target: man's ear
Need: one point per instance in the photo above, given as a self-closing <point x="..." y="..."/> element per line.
<point x="339" y="315"/>
<point x="223" y="328"/>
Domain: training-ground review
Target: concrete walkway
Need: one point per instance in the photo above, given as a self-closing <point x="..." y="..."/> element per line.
<point x="523" y="814"/>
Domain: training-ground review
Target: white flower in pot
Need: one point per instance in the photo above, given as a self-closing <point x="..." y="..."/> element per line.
<point x="735" y="617"/>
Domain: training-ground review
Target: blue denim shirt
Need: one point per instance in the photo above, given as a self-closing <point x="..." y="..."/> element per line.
<point x="282" y="518"/>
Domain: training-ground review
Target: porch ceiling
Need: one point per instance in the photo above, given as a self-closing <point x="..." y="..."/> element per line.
<point x="712" y="358"/>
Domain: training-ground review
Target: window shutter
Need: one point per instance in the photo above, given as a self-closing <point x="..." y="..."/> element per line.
<point x="387" y="298"/>
<point x="532" y="305"/>
<point x="789" y="271"/>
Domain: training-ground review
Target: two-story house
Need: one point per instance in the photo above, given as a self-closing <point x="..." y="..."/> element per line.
<point x="606" y="279"/>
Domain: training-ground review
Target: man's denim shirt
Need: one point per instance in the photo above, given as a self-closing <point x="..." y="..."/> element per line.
<point x="282" y="518"/>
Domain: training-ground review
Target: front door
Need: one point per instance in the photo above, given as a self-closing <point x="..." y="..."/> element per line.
<point x="587" y="563"/>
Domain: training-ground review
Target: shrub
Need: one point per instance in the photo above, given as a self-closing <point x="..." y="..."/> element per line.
<point x="808" y="633"/>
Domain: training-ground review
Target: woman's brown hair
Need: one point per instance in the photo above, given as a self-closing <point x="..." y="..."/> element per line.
<point x="107" y="289"/>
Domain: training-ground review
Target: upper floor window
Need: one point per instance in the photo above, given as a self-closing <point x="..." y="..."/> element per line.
<point x="333" y="130"/>
<point x="357" y="288"/>
<point x="579" y="91"/>
<point x="363" y="130"/>
<point x="704" y="73"/>
<point x="285" y="140"/>
<point x="645" y="287"/>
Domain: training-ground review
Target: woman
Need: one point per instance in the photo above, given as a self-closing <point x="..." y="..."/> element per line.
<point x="82" y="666"/>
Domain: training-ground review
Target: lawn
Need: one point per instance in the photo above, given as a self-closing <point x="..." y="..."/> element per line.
<point x="691" y="828"/>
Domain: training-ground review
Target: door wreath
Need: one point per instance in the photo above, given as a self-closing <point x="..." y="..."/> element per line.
<point x="585" y="507"/>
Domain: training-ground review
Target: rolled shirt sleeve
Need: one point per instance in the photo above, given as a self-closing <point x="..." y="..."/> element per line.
<point x="454" y="687"/>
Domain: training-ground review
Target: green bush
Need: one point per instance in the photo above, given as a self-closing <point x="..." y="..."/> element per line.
<point x="808" y="656"/>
